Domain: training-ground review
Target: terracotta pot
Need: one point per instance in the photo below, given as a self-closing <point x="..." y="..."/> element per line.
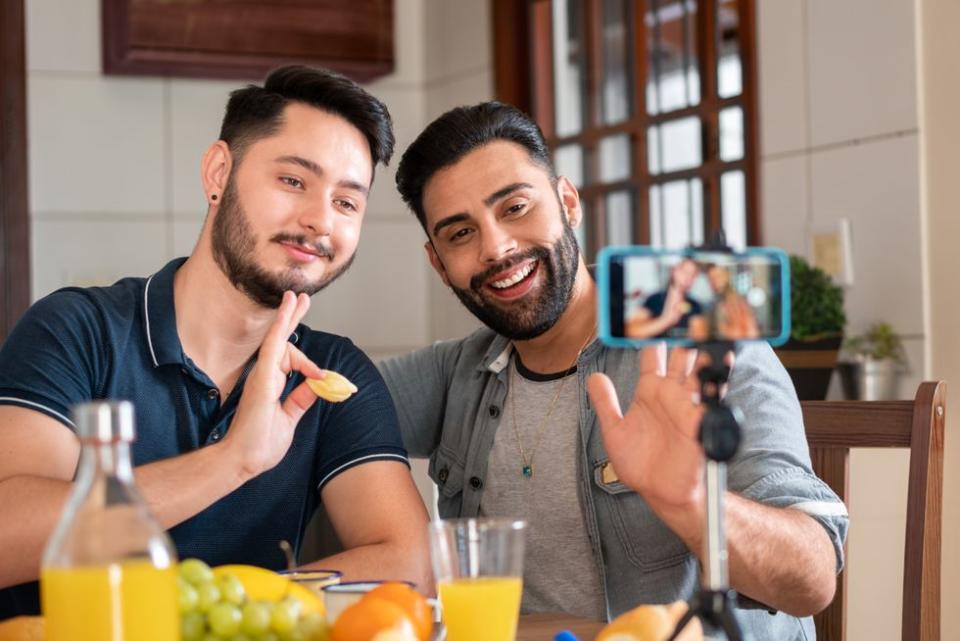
<point x="810" y="365"/>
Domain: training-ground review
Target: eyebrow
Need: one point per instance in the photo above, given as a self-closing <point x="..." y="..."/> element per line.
<point x="500" y="194"/>
<point x="317" y="170"/>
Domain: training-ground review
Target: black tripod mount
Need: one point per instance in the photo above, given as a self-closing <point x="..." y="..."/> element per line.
<point x="715" y="603"/>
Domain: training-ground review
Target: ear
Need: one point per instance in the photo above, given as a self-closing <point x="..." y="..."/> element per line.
<point x="570" y="200"/>
<point x="215" y="169"/>
<point x="436" y="263"/>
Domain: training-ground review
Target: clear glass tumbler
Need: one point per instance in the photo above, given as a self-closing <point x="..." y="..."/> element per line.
<point x="478" y="565"/>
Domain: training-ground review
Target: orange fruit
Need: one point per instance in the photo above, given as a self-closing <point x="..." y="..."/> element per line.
<point x="371" y="617"/>
<point x="412" y="602"/>
<point x="22" y="629"/>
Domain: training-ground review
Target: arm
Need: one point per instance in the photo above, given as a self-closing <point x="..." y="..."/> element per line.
<point x="780" y="557"/>
<point x="38" y="455"/>
<point x="418" y="387"/>
<point x="379" y="517"/>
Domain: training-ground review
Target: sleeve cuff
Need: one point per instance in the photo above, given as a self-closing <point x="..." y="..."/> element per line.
<point x="360" y="460"/>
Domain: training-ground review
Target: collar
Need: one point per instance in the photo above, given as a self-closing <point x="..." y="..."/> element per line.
<point x="160" y="317"/>
<point x="498" y="354"/>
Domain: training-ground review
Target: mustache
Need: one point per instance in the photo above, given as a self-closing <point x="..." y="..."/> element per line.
<point x="537" y="253"/>
<point x="299" y="239"/>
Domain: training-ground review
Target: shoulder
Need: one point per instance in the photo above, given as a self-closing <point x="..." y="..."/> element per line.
<point x="87" y="307"/>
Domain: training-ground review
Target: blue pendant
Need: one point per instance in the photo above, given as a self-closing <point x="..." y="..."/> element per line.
<point x="527" y="471"/>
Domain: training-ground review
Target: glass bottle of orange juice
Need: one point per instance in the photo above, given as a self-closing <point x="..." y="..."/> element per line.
<point x="109" y="570"/>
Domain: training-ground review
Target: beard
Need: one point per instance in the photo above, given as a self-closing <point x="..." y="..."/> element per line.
<point x="532" y="316"/>
<point x="234" y="250"/>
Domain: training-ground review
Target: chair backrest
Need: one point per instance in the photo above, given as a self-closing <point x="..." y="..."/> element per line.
<point x="833" y="427"/>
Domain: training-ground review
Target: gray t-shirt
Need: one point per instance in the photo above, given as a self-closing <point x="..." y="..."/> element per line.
<point x="560" y="571"/>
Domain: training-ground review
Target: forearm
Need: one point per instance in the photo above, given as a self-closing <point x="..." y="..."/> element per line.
<point x="178" y="488"/>
<point x="780" y="557"/>
<point x="31" y="507"/>
<point x="383" y="561"/>
<point x="175" y="489"/>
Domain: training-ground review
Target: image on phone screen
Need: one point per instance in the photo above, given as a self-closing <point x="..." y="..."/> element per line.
<point x="691" y="296"/>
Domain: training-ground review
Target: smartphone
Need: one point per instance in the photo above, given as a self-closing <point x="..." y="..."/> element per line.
<point x="687" y="297"/>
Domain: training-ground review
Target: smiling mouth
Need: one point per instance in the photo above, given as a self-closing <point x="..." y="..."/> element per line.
<point x="514" y="282"/>
<point x="305" y="250"/>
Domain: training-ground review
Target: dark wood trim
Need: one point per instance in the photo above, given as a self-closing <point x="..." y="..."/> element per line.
<point x="14" y="212"/>
<point x="749" y="45"/>
<point x="512" y="59"/>
<point x="208" y="39"/>
<point x="833" y="467"/>
<point x="922" y="550"/>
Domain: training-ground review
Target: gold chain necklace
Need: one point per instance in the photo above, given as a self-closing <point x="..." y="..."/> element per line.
<point x="527" y="469"/>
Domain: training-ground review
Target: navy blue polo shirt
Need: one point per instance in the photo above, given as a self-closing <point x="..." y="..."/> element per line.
<point x="121" y="342"/>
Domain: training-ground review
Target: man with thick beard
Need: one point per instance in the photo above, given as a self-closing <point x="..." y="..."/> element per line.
<point x="523" y="418"/>
<point x="234" y="452"/>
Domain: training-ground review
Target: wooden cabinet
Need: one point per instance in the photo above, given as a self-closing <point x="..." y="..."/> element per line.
<point x="246" y="38"/>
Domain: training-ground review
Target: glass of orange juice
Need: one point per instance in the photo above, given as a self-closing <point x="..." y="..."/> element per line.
<point x="478" y="564"/>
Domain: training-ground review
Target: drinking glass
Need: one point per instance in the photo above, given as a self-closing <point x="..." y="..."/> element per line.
<point x="478" y="565"/>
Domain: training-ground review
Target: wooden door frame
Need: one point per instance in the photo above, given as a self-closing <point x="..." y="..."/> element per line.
<point x="14" y="212"/>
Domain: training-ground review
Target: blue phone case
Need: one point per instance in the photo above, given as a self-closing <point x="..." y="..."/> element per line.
<point x="604" y="302"/>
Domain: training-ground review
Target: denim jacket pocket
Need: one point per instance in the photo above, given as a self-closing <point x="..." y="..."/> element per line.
<point x="447" y="470"/>
<point x="646" y="541"/>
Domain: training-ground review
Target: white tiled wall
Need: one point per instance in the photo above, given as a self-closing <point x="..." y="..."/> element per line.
<point x="839" y="140"/>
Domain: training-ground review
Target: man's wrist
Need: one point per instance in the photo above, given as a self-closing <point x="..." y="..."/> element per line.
<point x="234" y="458"/>
<point x="688" y="522"/>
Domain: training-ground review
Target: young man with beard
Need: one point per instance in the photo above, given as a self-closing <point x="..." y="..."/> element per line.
<point x="522" y="418"/>
<point x="234" y="452"/>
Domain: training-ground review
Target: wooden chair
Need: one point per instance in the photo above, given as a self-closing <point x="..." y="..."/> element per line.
<point x="833" y="427"/>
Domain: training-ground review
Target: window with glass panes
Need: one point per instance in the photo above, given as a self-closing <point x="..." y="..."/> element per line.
<point x="649" y="108"/>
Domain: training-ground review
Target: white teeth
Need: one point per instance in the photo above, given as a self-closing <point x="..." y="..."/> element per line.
<point x="516" y="278"/>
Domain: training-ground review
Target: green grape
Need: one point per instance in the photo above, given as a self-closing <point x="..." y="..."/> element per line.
<point x="269" y="636"/>
<point x="293" y="635"/>
<point x="313" y="627"/>
<point x="224" y="620"/>
<point x="284" y="617"/>
<point x="192" y="626"/>
<point x="208" y="595"/>
<point x="211" y="637"/>
<point x="256" y="618"/>
<point x="187" y="596"/>
<point x="240" y="637"/>
<point x="231" y="590"/>
<point x="196" y="571"/>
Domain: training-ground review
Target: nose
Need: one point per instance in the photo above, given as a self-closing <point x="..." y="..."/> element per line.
<point x="318" y="217"/>
<point x="495" y="243"/>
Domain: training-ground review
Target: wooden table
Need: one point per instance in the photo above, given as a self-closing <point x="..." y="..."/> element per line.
<point x="543" y="627"/>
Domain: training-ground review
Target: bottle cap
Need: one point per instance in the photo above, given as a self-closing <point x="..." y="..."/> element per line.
<point x="105" y="421"/>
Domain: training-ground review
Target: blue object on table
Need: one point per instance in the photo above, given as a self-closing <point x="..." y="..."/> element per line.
<point x="565" y="635"/>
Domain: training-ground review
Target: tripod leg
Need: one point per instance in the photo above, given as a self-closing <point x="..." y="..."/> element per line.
<point x="684" y="620"/>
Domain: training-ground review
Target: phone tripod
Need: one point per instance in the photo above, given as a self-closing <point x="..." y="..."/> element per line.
<point x="715" y="603"/>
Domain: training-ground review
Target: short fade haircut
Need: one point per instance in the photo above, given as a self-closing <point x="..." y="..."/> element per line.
<point x="458" y="132"/>
<point x="257" y="112"/>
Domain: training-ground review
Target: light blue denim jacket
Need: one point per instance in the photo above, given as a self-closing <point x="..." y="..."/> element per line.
<point x="450" y="399"/>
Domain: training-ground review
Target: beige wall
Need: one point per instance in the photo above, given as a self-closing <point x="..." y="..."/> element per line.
<point x="939" y="105"/>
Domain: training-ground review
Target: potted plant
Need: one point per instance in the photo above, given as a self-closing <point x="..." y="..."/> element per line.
<point x="817" y="322"/>
<point x="878" y="359"/>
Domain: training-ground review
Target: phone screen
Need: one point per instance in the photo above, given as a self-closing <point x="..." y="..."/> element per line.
<point x="690" y="297"/>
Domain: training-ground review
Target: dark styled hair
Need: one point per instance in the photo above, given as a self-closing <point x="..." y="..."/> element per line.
<point x="257" y="112"/>
<point x="458" y="132"/>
